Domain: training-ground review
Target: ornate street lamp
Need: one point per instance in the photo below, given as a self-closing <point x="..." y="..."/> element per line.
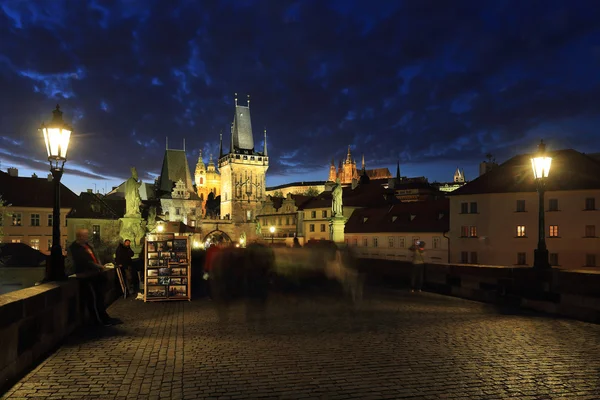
<point x="272" y="230"/>
<point x="56" y="135"/>
<point x="540" y="164"/>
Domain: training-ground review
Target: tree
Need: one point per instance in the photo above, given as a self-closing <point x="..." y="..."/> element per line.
<point x="311" y="191"/>
<point x="278" y="193"/>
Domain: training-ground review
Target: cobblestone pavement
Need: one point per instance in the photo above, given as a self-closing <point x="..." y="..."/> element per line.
<point x="395" y="346"/>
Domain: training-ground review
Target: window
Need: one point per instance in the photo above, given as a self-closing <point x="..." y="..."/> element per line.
<point x="49" y="244"/>
<point x="521" y="258"/>
<point x="473" y="207"/>
<point x="401" y="242"/>
<point x="15" y="241"/>
<point x="590" y="260"/>
<point x="355" y="242"/>
<point x="311" y="227"/>
<point x="324" y="213"/>
<point x="375" y="243"/>
<point x="313" y="214"/>
<point x="95" y="233"/>
<point x="590" y="203"/>
<point x="365" y="242"/>
<point x="472" y="231"/>
<point x="35" y="243"/>
<point x="16" y="220"/>
<point x="390" y="241"/>
<point x="322" y="227"/>
<point x="520" y="205"/>
<point x="35" y="219"/>
<point x="590" y="231"/>
<point x="553" y="230"/>
<point x="177" y="211"/>
<point x="287" y="220"/>
<point x="553" y="205"/>
<point x="464" y="231"/>
<point x="193" y="211"/>
<point x="521" y="231"/>
<point x="553" y="258"/>
<point x="279" y="221"/>
<point x="436" y="242"/>
<point x="474" y="257"/>
<point x="464" y="208"/>
<point x="50" y="219"/>
<point x="464" y="257"/>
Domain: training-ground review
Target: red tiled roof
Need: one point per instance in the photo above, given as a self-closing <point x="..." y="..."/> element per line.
<point x="23" y="191"/>
<point x="425" y="216"/>
<point x="570" y="170"/>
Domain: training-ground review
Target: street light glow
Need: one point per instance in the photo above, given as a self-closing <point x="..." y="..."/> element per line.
<point x="541" y="163"/>
<point x="272" y="229"/>
<point x="57" y="135"/>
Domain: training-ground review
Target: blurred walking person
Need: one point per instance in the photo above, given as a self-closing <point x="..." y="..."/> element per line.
<point x="418" y="265"/>
<point x="123" y="256"/>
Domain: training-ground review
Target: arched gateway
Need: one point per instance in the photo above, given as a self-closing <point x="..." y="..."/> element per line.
<point x="216" y="236"/>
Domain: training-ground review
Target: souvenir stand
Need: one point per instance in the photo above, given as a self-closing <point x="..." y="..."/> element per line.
<point x="167" y="269"/>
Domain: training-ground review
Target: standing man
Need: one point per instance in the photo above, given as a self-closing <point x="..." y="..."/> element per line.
<point x="86" y="261"/>
<point x="418" y="267"/>
<point x="123" y="257"/>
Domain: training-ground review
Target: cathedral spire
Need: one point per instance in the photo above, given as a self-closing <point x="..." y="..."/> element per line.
<point x="349" y="157"/>
<point x="265" y="143"/>
<point x="398" y="171"/>
<point x="220" y="144"/>
<point x="363" y="162"/>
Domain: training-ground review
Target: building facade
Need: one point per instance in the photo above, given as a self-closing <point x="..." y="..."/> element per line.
<point x="29" y="218"/>
<point x="389" y="232"/>
<point x="494" y="218"/>
<point x="283" y="214"/>
<point x="243" y="170"/>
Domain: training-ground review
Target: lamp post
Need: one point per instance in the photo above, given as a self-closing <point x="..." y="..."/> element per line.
<point x="272" y="230"/>
<point x="540" y="164"/>
<point x="56" y="135"/>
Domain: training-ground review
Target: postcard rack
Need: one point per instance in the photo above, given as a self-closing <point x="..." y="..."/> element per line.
<point x="167" y="269"/>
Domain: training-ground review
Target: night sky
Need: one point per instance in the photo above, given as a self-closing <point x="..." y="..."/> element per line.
<point x="436" y="84"/>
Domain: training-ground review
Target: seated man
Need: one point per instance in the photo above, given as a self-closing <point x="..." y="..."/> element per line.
<point x="86" y="261"/>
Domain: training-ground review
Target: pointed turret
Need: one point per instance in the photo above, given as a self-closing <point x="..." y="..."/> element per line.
<point x="265" y="143"/>
<point x="398" y="171"/>
<point x="220" y="144"/>
<point x="332" y="173"/>
<point x="363" y="163"/>
<point x="459" y="176"/>
<point x="349" y="156"/>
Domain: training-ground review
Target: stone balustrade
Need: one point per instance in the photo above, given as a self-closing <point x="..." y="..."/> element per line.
<point x="570" y="293"/>
<point x="33" y="321"/>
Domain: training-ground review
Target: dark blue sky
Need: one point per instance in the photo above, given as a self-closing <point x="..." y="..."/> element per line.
<point x="437" y="84"/>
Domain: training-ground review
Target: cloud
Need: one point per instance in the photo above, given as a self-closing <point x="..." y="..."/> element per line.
<point x="428" y="82"/>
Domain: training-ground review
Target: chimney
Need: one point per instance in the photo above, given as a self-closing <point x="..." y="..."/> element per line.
<point x="90" y="191"/>
<point x="34" y="175"/>
<point x="50" y="178"/>
<point x="13" y="172"/>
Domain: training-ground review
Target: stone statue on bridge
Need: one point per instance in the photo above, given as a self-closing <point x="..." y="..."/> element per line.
<point x="336" y="201"/>
<point x="132" y="195"/>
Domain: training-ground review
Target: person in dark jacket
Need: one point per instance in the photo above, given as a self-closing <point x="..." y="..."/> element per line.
<point x="86" y="261"/>
<point x="123" y="261"/>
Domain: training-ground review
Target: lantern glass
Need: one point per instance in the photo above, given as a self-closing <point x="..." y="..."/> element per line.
<point x="541" y="166"/>
<point x="272" y="229"/>
<point x="57" y="141"/>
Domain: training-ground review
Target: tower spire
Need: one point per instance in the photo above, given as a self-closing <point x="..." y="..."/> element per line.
<point x="363" y="162"/>
<point x="235" y="99"/>
<point x="183" y="144"/>
<point x="348" y="157"/>
<point x="265" y="149"/>
<point x="221" y="144"/>
<point x="398" y="171"/>
<point x="167" y="144"/>
<point x="248" y="105"/>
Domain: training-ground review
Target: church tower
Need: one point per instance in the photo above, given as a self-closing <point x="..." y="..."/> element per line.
<point x="200" y="172"/>
<point x="459" y="176"/>
<point x="243" y="170"/>
<point x="332" y="173"/>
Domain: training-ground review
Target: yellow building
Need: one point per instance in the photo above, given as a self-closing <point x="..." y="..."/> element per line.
<point x="29" y="218"/>
<point x="243" y="170"/>
<point x="494" y="218"/>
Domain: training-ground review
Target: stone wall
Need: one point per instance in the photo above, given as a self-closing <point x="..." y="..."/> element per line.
<point x="16" y="278"/>
<point x="33" y="322"/>
<point x="570" y="293"/>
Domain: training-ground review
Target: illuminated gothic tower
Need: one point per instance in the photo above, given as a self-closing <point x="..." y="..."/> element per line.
<point x="207" y="180"/>
<point x="243" y="169"/>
